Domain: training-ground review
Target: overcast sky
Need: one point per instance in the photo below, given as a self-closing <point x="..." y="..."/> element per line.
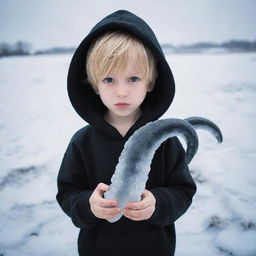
<point x="48" y="23"/>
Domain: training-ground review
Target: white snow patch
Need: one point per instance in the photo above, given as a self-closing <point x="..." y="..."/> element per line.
<point x="37" y="122"/>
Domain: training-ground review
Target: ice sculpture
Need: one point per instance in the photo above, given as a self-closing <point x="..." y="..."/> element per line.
<point x="134" y="162"/>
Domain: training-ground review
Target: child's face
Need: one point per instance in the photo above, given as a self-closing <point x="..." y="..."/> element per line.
<point x="123" y="93"/>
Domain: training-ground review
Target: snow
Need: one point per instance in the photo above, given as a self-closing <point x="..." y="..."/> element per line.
<point x="37" y="122"/>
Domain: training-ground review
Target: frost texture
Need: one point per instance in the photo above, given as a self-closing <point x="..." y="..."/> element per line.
<point x="205" y="124"/>
<point x="129" y="179"/>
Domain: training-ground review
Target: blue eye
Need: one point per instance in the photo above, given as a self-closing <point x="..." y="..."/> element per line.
<point x="134" y="79"/>
<point x="107" y="80"/>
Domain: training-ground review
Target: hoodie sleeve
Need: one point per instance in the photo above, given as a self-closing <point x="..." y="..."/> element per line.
<point x="73" y="193"/>
<point x="175" y="197"/>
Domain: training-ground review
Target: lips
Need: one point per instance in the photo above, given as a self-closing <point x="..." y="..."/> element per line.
<point x="122" y="104"/>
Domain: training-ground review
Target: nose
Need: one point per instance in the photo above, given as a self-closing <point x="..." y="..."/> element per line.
<point x="121" y="91"/>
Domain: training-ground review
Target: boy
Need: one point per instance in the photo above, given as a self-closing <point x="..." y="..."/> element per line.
<point x="118" y="81"/>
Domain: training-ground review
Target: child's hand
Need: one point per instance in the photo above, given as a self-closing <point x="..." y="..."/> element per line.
<point x="103" y="208"/>
<point x="142" y="210"/>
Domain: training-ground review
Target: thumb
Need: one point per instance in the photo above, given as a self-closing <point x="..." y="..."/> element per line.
<point x="101" y="188"/>
<point x="146" y="194"/>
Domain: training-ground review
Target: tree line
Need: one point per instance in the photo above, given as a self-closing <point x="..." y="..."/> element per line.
<point x="19" y="48"/>
<point x="24" y="48"/>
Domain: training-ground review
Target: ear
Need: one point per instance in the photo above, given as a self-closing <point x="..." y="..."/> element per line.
<point x="96" y="91"/>
<point x="150" y="88"/>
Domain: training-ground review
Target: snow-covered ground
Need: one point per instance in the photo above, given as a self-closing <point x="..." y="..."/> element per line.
<point x="37" y="122"/>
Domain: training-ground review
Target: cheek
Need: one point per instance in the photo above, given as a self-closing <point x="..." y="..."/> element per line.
<point x="141" y="94"/>
<point x="106" y="98"/>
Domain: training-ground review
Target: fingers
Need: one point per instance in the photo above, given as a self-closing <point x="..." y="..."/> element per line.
<point x="101" y="202"/>
<point x="141" y="210"/>
<point x="97" y="198"/>
<point x="103" y="208"/>
<point x="139" y="214"/>
<point x="138" y="211"/>
<point x="101" y="188"/>
<point x="138" y="205"/>
<point x="146" y="201"/>
<point x="106" y="213"/>
<point x="108" y="209"/>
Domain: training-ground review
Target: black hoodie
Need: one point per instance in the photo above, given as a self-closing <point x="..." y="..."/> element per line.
<point x="93" y="153"/>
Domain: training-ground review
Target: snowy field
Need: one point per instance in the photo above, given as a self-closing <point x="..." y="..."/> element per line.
<point x="37" y="122"/>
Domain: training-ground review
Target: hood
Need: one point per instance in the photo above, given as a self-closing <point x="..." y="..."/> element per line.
<point x="88" y="104"/>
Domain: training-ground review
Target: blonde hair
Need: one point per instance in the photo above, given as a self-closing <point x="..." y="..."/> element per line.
<point x="113" y="51"/>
